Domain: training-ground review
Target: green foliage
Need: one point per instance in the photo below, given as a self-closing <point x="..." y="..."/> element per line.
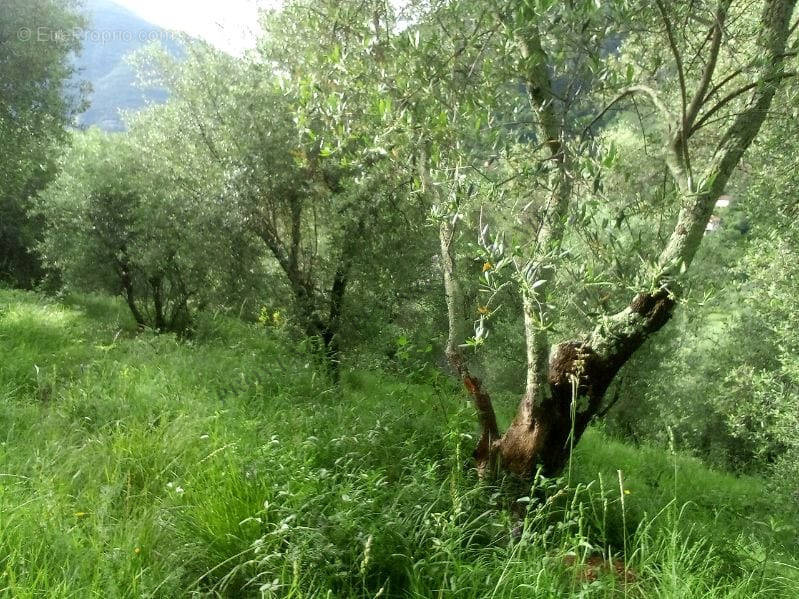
<point x="38" y="99"/>
<point x="297" y="186"/>
<point x="137" y="465"/>
<point x="116" y="219"/>
<point x="330" y="219"/>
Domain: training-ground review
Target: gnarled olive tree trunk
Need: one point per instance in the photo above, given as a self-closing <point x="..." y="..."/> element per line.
<point x="567" y="381"/>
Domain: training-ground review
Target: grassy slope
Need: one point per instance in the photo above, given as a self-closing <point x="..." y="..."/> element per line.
<point x="138" y="466"/>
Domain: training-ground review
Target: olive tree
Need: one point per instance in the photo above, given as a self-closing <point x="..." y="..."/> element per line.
<point x="704" y="75"/>
<point x="39" y="97"/>
<point x="298" y="133"/>
<point x="117" y="219"/>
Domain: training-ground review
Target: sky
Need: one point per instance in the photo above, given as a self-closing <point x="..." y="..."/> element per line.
<point x="228" y="24"/>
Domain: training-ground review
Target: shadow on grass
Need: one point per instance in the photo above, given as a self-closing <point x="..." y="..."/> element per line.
<point x="40" y="342"/>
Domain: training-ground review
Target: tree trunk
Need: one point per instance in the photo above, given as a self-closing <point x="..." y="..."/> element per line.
<point x="567" y="384"/>
<point x="130" y="294"/>
<point x="579" y="374"/>
<point x="158" y="304"/>
<point x="332" y="328"/>
<point x="331" y="351"/>
<point x="323" y="333"/>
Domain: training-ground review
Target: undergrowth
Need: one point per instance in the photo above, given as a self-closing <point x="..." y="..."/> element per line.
<point x="136" y="465"/>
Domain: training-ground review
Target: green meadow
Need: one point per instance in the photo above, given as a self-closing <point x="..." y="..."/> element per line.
<point x="136" y="465"/>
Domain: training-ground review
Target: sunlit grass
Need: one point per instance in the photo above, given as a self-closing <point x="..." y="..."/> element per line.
<point x="133" y="465"/>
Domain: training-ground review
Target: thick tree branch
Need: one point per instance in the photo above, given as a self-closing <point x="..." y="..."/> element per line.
<point x="539" y="90"/>
<point x="635" y="322"/>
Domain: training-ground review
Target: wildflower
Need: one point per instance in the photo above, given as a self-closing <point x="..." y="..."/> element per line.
<point x="487" y="266"/>
<point x="137" y="551"/>
<point x="270" y="587"/>
<point x="367" y="550"/>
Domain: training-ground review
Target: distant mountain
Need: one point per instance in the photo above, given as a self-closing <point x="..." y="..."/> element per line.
<point x="112" y="34"/>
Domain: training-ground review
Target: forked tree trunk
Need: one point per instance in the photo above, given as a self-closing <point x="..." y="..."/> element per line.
<point x="325" y="332"/>
<point x="577" y="378"/>
<point x="566" y="384"/>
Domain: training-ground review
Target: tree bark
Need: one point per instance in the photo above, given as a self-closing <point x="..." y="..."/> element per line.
<point x="566" y="383"/>
<point x="158" y="304"/>
<point x="130" y="294"/>
<point x="484" y="453"/>
<point x="332" y="328"/>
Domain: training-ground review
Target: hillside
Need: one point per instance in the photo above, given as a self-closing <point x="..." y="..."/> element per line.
<point x="115" y="32"/>
<point x="135" y="465"/>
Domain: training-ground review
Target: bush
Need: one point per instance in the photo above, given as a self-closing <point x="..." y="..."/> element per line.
<point x="115" y="221"/>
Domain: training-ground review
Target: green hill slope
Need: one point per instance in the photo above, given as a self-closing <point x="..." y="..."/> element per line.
<point x="141" y="466"/>
<point x="112" y="35"/>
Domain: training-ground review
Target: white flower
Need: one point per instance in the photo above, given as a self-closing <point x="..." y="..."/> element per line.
<point x="270" y="587"/>
<point x="175" y="487"/>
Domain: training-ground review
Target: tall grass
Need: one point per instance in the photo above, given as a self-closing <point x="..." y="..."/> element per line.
<point x="134" y="465"/>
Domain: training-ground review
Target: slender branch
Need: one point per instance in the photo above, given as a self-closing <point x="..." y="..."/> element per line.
<point x="681" y="163"/>
<point x="482" y="401"/>
<point x="677" y="56"/>
<point x="734" y="94"/>
<point x="716" y="88"/>
<point x="630" y="91"/>
<point x="710" y="67"/>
